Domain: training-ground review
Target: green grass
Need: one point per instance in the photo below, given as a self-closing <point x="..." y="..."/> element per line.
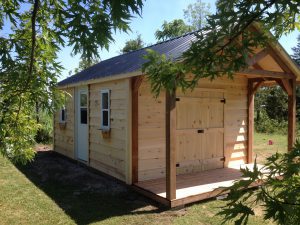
<point x="262" y="149"/>
<point x="53" y="190"/>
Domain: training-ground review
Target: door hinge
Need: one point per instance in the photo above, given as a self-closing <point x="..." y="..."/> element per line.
<point x="222" y="159"/>
<point x="223" y="100"/>
<point x="201" y="131"/>
<point x="177" y="165"/>
<point x="177" y="99"/>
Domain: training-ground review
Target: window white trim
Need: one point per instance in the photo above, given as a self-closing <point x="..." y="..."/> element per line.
<point x="102" y="126"/>
<point x="62" y="115"/>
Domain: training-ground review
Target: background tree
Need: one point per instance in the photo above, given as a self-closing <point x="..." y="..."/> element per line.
<point x="133" y="44"/>
<point x="84" y="64"/>
<point x="196" y="14"/>
<point x="172" y="29"/>
<point x="29" y="64"/>
<point x="296" y="50"/>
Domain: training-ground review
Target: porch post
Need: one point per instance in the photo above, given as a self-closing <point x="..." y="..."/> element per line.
<point x="170" y="146"/>
<point x="250" y="121"/>
<point x="134" y="125"/>
<point x="292" y="114"/>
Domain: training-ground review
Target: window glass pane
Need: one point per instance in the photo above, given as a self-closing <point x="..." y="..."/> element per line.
<point x="104" y="100"/>
<point x="62" y="114"/>
<point x="83" y="99"/>
<point x="83" y="116"/>
<point x="105" y="118"/>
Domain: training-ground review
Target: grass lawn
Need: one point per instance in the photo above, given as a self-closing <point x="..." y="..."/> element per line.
<point x="54" y="190"/>
<point x="262" y="149"/>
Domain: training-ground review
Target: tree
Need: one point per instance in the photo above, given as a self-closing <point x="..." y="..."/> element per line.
<point x="133" y="44"/>
<point x="225" y="43"/>
<point x="29" y="66"/>
<point x="84" y="64"/>
<point x="172" y="29"/>
<point x="296" y="50"/>
<point x="196" y="14"/>
<point x="279" y="196"/>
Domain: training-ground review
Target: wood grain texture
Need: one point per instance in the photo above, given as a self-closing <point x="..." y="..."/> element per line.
<point x="64" y="138"/>
<point x="292" y="115"/>
<point x="250" y="120"/>
<point x="196" y="186"/>
<point x="109" y="155"/>
<point x="135" y="120"/>
<point x="202" y="111"/>
<point x="233" y="135"/>
<point x="170" y="146"/>
<point x="151" y="134"/>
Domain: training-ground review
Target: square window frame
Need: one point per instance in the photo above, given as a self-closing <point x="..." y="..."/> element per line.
<point x="103" y="127"/>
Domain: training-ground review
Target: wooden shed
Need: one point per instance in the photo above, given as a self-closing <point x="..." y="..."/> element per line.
<point x="174" y="149"/>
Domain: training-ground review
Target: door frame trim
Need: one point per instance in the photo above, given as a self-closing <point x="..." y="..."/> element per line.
<point x="76" y="121"/>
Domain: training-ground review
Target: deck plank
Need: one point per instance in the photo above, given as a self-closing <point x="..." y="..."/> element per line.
<point x="201" y="184"/>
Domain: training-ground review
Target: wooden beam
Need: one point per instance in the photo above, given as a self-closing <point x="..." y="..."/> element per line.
<point x="151" y="195"/>
<point x="279" y="82"/>
<point x="292" y="115"/>
<point x="250" y="121"/>
<point x="265" y="73"/>
<point x="137" y="82"/>
<point x="170" y="146"/>
<point x="287" y="86"/>
<point x="257" y="57"/>
<point x="257" y="67"/>
<point x="134" y="134"/>
<point x="279" y="61"/>
<point x="256" y="86"/>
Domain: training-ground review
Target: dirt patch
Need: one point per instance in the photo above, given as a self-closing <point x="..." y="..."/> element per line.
<point x="50" y="166"/>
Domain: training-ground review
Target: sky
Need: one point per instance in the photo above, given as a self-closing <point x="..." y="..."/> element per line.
<point x="154" y="13"/>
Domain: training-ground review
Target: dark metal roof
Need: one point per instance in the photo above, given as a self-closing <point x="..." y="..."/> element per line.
<point x="131" y="61"/>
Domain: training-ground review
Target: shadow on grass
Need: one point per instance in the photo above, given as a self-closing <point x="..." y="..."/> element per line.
<point x="84" y="195"/>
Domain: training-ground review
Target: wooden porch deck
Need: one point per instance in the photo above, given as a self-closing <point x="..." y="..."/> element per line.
<point x="192" y="187"/>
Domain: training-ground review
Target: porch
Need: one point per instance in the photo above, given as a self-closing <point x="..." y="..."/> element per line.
<point x="192" y="187"/>
<point x="209" y="130"/>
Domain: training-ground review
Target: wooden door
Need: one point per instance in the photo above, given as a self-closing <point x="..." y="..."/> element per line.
<point x="200" y="132"/>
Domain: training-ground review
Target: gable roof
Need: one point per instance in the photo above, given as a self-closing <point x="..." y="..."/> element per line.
<point x="132" y="61"/>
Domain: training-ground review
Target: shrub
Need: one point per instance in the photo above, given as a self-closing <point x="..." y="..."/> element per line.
<point x="45" y="131"/>
<point x="267" y="125"/>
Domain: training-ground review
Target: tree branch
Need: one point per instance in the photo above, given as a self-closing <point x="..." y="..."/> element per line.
<point x="33" y="34"/>
<point x="248" y="23"/>
<point x="277" y="200"/>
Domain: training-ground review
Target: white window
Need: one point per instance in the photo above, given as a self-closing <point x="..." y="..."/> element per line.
<point x="105" y="109"/>
<point x="62" y="115"/>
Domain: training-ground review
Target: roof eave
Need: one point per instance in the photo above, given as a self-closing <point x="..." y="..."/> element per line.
<point x="102" y="79"/>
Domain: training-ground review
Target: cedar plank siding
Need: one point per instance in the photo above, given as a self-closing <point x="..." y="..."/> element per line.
<point x="151" y="134"/>
<point x="152" y="126"/>
<point x="64" y="138"/>
<point x="109" y="154"/>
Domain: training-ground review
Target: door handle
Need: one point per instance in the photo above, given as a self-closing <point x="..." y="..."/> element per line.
<point x="201" y="131"/>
